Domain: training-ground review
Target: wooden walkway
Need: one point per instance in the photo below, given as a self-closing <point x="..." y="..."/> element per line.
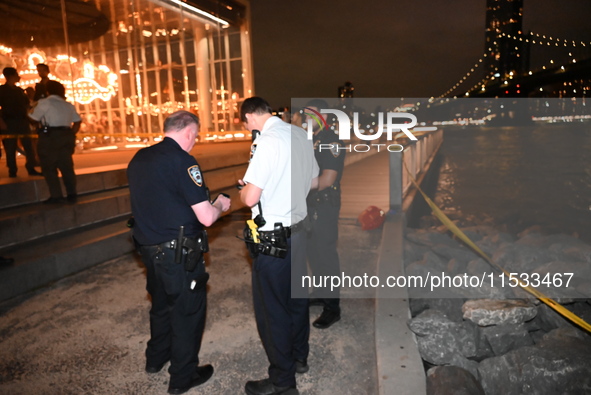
<point x="365" y="183"/>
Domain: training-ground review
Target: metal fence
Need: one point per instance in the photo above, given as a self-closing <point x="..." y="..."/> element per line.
<point x="414" y="162"/>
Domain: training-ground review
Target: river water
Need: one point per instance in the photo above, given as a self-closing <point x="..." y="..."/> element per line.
<point x="519" y="177"/>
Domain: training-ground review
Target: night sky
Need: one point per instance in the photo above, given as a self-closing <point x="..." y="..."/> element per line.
<point x="386" y="48"/>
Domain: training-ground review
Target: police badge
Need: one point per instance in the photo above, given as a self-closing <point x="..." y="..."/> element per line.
<point x="195" y="175"/>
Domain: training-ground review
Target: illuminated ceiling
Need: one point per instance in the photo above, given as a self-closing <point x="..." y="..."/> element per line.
<point x="39" y="22"/>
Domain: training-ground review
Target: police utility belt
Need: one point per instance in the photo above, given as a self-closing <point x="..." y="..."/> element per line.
<point x="188" y="250"/>
<point x="271" y="242"/>
<point x="330" y="195"/>
<point x="45" y="129"/>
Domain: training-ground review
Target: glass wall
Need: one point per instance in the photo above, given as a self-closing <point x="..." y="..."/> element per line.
<point x="158" y="56"/>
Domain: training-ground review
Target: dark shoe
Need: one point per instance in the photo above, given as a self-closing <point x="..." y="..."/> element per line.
<point x="302" y="366"/>
<point x="154" y="368"/>
<point x="6" y="261"/>
<point x="12" y="175"/>
<point x="53" y="200"/>
<point x="266" y="387"/>
<point x="316" y="302"/>
<point x="326" y="319"/>
<point x="72" y="198"/>
<point x="202" y="374"/>
<point x="35" y="173"/>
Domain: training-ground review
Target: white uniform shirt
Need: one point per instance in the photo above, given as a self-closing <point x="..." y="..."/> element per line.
<point x="55" y="112"/>
<point x="283" y="166"/>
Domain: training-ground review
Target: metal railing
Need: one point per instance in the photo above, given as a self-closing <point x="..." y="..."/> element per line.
<point x="416" y="160"/>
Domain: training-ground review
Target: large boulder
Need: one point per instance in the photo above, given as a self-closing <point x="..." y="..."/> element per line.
<point x="414" y="252"/>
<point x="562" y="279"/>
<point x="430" y="238"/>
<point x="439" y="338"/>
<point x="483" y="348"/>
<point x="548" y="319"/>
<point x="452" y="380"/>
<point x="559" y="364"/>
<point x="430" y="262"/>
<point x="485" y="312"/>
<point x="465" y="363"/>
<point x="576" y="251"/>
<point x="523" y="258"/>
<point x="456" y="267"/>
<point x="457" y="252"/>
<point x="451" y="307"/>
<point x="506" y="337"/>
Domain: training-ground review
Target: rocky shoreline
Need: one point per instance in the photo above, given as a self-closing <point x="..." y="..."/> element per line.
<point x="484" y="338"/>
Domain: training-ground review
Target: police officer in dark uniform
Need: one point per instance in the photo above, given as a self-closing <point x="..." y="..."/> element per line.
<point x="170" y="205"/>
<point x="324" y="205"/>
<point x="41" y="86"/>
<point x="15" y="123"/>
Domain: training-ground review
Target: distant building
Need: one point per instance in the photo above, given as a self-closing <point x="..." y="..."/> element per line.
<point x="506" y="55"/>
<point x="346" y="90"/>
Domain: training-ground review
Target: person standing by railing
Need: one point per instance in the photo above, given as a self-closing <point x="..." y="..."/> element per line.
<point x="324" y="205"/>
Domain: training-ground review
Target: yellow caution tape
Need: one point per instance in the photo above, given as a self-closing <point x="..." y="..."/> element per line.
<point x="462" y="236"/>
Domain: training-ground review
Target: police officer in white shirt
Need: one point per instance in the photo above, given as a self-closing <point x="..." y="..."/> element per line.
<point x="58" y="124"/>
<point x="280" y="174"/>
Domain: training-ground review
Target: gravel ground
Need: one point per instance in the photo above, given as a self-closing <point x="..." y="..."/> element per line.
<point x="86" y="334"/>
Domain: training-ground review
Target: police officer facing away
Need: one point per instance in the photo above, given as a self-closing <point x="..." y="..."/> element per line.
<point x="170" y="204"/>
<point x="279" y="176"/>
<point x="14" y="122"/>
<point x="59" y="122"/>
<point x="324" y="205"/>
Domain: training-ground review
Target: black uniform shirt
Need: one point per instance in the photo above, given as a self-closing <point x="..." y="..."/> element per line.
<point x="40" y="91"/>
<point x="164" y="182"/>
<point x="15" y="105"/>
<point x="330" y="158"/>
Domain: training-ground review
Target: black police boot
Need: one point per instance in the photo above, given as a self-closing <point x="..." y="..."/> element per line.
<point x="327" y="318"/>
<point x="266" y="387"/>
<point x="302" y="366"/>
<point x="202" y="374"/>
<point x="154" y="368"/>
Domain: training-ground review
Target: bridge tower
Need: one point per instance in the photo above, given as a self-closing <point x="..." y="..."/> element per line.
<point x="506" y="57"/>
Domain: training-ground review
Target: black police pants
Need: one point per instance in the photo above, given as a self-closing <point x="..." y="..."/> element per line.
<point x="282" y="321"/>
<point x="55" y="150"/>
<point x="177" y="316"/>
<point x="322" y="251"/>
<point x="11" y="145"/>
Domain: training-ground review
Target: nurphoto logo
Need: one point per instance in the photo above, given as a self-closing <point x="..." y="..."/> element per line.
<point x="394" y="123"/>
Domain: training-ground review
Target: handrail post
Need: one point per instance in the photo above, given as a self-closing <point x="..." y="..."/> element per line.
<point x="396" y="180"/>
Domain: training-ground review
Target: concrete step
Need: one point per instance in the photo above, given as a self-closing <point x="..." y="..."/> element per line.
<point x="19" y="191"/>
<point x="35" y="221"/>
<point x="42" y="262"/>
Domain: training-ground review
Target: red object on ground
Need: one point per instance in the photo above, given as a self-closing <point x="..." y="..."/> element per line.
<point x="371" y="218"/>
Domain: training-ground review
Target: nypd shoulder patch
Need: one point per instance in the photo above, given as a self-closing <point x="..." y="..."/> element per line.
<point x="195" y="174"/>
<point x="335" y="149"/>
